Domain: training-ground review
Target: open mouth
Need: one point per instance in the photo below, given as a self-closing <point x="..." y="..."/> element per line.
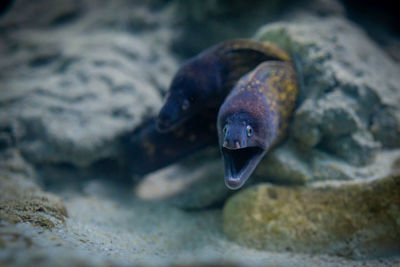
<point x="239" y="164"/>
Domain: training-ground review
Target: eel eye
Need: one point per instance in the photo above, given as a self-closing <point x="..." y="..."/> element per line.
<point x="249" y="131"/>
<point x="185" y="104"/>
<point x="225" y="129"/>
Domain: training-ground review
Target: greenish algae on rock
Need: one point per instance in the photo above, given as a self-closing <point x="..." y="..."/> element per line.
<point x="354" y="220"/>
<point x="22" y="201"/>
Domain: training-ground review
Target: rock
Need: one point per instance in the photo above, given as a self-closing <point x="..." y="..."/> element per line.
<point x="105" y="230"/>
<point x="359" y="220"/>
<point x="193" y="183"/>
<point x="199" y="25"/>
<point x="21" y="200"/>
<point x="24" y="13"/>
<point x="70" y="91"/>
<point x="348" y="110"/>
<point x="283" y="167"/>
<point x="383" y="123"/>
<point x="205" y="23"/>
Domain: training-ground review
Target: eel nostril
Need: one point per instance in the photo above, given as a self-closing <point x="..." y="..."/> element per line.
<point x="237" y="144"/>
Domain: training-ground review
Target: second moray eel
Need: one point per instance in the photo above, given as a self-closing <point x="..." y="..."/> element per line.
<point x="254" y="118"/>
<point x="205" y="80"/>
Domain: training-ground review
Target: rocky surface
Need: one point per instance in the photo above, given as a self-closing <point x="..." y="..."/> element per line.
<point x="69" y="91"/>
<point x="195" y="183"/>
<point x="348" y="112"/>
<point x="22" y="200"/>
<point x="355" y="220"/>
<point x="108" y="227"/>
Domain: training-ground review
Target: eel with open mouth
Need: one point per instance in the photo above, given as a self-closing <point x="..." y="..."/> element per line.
<point x="254" y="118"/>
<point x="240" y="163"/>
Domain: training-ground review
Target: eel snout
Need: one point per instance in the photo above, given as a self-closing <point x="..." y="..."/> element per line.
<point x="164" y="125"/>
<point x="168" y="118"/>
<point x="240" y="163"/>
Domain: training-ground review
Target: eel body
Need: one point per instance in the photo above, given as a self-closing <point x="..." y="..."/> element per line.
<point x="254" y="117"/>
<point x="205" y="80"/>
<point x="148" y="149"/>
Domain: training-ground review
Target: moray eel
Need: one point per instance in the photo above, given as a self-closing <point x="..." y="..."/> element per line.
<point x="254" y="118"/>
<point x="205" y="80"/>
<point x="146" y="149"/>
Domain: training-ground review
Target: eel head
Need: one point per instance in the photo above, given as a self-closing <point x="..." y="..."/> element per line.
<point x="241" y="148"/>
<point x="176" y="110"/>
<point x="193" y="89"/>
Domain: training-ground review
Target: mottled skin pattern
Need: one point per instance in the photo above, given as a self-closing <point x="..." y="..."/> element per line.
<point x="205" y="80"/>
<point x="254" y="118"/>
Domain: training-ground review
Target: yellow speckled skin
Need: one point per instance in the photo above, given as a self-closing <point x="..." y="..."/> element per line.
<point x="254" y="117"/>
<point x="238" y="57"/>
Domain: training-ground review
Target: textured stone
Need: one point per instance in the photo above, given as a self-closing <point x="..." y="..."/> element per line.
<point x="283" y="167"/>
<point x="194" y="183"/>
<point x="21" y="200"/>
<point x="200" y="24"/>
<point x="348" y="109"/>
<point x="69" y="92"/>
<point x="354" y="220"/>
<point x="119" y="230"/>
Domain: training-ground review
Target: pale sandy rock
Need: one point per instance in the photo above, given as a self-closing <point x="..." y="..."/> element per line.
<point x="356" y="220"/>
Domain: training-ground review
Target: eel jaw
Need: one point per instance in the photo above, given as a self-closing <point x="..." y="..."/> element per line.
<point x="166" y="124"/>
<point x="163" y="127"/>
<point x="240" y="164"/>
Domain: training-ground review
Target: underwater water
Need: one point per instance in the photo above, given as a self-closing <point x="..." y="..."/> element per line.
<point x="89" y="176"/>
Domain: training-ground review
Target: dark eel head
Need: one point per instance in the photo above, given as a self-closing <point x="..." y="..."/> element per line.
<point x="243" y="145"/>
<point x="176" y="109"/>
<point x="192" y="90"/>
